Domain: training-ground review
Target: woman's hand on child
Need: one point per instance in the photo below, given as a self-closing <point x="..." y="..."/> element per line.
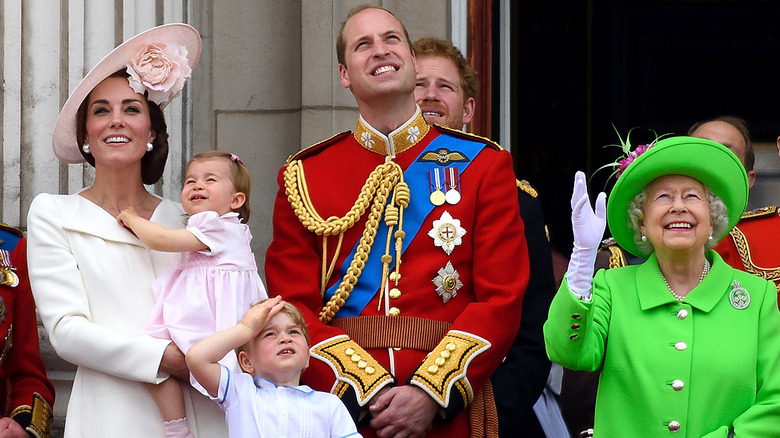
<point x="173" y="362"/>
<point x="257" y="317"/>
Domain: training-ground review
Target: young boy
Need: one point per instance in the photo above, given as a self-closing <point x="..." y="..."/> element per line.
<point x="271" y="342"/>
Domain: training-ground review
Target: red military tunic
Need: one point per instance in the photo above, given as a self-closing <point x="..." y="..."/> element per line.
<point x="752" y="246"/>
<point x="26" y="394"/>
<point x="447" y="342"/>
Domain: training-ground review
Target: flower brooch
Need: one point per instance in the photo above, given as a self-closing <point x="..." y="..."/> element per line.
<point x="160" y="70"/>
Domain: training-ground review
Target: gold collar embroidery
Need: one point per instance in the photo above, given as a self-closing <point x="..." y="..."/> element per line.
<point x="400" y="140"/>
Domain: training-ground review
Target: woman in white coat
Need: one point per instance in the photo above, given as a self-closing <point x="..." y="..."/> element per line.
<point x="91" y="277"/>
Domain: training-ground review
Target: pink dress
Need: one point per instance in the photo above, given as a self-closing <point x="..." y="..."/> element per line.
<point x="211" y="289"/>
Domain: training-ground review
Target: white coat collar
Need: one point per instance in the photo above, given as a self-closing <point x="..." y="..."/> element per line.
<point x="89" y="218"/>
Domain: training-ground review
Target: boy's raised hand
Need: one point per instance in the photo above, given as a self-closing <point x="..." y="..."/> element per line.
<point x="257" y="317"/>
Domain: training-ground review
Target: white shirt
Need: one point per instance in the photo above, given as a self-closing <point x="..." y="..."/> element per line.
<point x="257" y="407"/>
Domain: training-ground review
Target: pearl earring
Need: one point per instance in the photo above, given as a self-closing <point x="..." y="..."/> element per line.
<point x="710" y="237"/>
<point x="85" y="148"/>
<point x="644" y="238"/>
<point x="149" y="146"/>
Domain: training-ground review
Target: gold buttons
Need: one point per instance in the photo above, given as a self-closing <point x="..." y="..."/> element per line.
<point x="439" y="361"/>
<point x="370" y="370"/>
<point x="433" y="369"/>
<point x="680" y="346"/>
<point x="395" y="293"/>
<point x="395" y="276"/>
<point x="356" y="358"/>
<point x="349" y="351"/>
<point x="445" y="354"/>
<point x="450" y="346"/>
<point x="394" y="311"/>
<point x="362" y="364"/>
<point x="678" y="385"/>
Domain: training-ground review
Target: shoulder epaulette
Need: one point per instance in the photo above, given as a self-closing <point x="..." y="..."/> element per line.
<point x="316" y="147"/>
<point x="526" y="187"/>
<point x="10" y="229"/>
<point x="468" y="136"/>
<point x="759" y="212"/>
<point x="617" y="257"/>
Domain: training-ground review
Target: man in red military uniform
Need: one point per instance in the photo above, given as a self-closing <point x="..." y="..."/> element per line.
<point x="27" y="394"/>
<point x="751" y="246"/>
<point x="403" y="246"/>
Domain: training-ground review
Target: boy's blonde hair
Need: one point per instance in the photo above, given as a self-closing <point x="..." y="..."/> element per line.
<point x="295" y="315"/>
<point x="239" y="176"/>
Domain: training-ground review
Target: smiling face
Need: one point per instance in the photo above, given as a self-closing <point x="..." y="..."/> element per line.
<point x="677" y="215"/>
<point x="378" y="60"/>
<point x="439" y="93"/>
<point x="117" y="125"/>
<point x="207" y="187"/>
<point x="279" y="352"/>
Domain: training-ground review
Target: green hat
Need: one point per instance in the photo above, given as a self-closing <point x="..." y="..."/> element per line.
<point x="711" y="163"/>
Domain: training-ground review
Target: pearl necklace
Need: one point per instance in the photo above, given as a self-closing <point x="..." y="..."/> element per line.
<point x="704" y="272"/>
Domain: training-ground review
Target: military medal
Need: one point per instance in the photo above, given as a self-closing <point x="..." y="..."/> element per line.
<point x="447" y="232"/>
<point x="447" y="282"/>
<point x="7" y="275"/>
<point x="9" y="278"/>
<point x="452" y="180"/>
<point x="437" y="196"/>
<point x="739" y="297"/>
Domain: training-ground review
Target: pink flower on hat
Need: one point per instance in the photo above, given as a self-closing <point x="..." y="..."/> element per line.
<point x="160" y="70"/>
<point x="623" y="164"/>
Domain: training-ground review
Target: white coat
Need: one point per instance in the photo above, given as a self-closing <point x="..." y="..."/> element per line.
<point x="91" y="280"/>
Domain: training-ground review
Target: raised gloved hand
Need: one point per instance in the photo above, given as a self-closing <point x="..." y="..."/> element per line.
<point x="588" y="227"/>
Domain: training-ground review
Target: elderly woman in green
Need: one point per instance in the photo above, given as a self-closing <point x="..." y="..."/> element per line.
<point x="688" y="346"/>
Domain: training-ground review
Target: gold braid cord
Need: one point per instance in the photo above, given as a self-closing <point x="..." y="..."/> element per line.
<point x="616" y="260"/>
<point x="743" y="248"/>
<point x="374" y="193"/>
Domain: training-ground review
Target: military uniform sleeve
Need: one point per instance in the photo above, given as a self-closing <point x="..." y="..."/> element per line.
<point x="30" y="392"/>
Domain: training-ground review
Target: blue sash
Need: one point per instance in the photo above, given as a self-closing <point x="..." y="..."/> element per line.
<point x="417" y="177"/>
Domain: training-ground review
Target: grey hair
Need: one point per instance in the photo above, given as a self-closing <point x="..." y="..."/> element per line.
<point x="719" y="218"/>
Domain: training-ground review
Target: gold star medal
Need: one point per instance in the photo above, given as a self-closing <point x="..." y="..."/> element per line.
<point x="447" y="232"/>
<point x="447" y="282"/>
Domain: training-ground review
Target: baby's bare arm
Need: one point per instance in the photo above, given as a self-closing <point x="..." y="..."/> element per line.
<point x="156" y="236"/>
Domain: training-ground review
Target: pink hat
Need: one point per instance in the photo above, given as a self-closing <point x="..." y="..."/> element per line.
<point x="159" y="62"/>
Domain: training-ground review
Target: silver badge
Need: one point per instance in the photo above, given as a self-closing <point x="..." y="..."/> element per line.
<point x="739" y="297"/>
<point x="447" y="232"/>
<point x="447" y="282"/>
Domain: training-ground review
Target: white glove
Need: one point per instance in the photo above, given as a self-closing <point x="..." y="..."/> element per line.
<point x="588" y="228"/>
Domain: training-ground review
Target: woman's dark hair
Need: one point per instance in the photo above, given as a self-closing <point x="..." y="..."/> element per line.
<point x="153" y="162"/>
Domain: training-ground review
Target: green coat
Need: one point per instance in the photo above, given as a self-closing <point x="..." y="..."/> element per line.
<point x="703" y="364"/>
